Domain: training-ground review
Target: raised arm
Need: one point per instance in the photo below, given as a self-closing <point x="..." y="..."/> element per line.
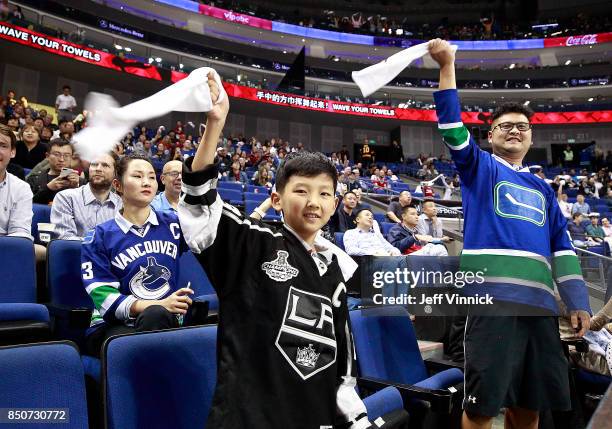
<point x="444" y="54"/>
<point x="215" y="120"/>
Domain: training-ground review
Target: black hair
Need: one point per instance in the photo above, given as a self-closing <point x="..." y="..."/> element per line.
<point x="575" y="215"/>
<point x="66" y="87"/>
<point x="428" y="201"/>
<point x="123" y="164"/>
<point x="512" y="107"/>
<point x="349" y="192"/>
<point x="362" y="210"/>
<point x="59" y="142"/>
<point x="307" y="164"/>
<point x="406" y="208"/>
<point x="6" y="131"/>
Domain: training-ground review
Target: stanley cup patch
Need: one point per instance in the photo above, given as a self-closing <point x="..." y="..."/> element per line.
<point x="279" y="269"/>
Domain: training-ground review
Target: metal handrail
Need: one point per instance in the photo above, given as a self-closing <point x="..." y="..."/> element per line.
<point x="588" y="252"/>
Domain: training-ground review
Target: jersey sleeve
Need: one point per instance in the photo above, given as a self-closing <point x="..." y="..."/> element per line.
<point x="351" y="408"/>
<point x="565" y="265"/>
<point x="99" y="281"/>
<point x="463" y="149"/>
<point x="223" y="239"/>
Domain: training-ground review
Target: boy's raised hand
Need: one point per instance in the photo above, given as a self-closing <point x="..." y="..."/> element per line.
<point x="442" y="52"/>
<point x="219" y="110"/>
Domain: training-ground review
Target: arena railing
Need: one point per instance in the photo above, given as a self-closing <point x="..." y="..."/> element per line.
<point x="596" y="270"/>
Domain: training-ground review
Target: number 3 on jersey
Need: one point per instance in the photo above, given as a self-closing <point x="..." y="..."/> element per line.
<point x="87" y="270"/>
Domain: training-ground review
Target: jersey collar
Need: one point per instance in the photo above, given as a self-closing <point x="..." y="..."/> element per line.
<point x="517" y="168"/>
<point x="125" y="225"/>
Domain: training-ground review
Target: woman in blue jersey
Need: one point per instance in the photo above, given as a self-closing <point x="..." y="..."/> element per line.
<point x="129" y="264"/>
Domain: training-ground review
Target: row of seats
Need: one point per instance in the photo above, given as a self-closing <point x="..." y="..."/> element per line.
<point x="167" y="378"/>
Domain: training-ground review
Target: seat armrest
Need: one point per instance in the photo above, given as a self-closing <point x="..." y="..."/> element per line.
<point x="439" y="400"/>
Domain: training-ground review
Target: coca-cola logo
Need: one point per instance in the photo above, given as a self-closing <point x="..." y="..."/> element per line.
<point x="230" y="16"/>
<point x="587" y="39"/>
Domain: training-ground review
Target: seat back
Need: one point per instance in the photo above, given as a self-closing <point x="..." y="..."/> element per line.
<point x="190" y="270"/>
<point x="236" y="186"/>
<point x="385" y="227"/>
<point x="64" y="275"/>
<point x="386" y="345"/>
<point x="255" y="196"/>
<point x="339" y="237"/>
<point x="17" y="271"/>
<point x="44" y="376"/>
<point x="250" y="206"/>
<point x="163" y="379"/>
<point x="229" y="195"/>
<point x="41" y="214"/>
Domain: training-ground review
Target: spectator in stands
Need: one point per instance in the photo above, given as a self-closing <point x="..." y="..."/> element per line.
<point x="30" y="151"/>
<point x="344" y="217"/>
<point x="360" y="206"/>
<point x="133" y="291"/>
<point x="364" y="240"/>
<point x="391" y="177"/>
<point x="65" y="130"/>
<point x="396" y="208"/>
<point x="353" y="180"/>
<point x="566" y="208"/>
<point x="237" y="175"/>
<point x="48" y="182"/>
<point x="580" y="206"/>
<point x="429" y="223"/>
<point x="344" y="154"/>
<point x="594" y="230"/>
<point x="261" y="178"/>
<point x="224" y="160"/>
<point x="46" y="134"/>
<point x="406" y="238"/>
<point x="381" y="181"/>
<point x="65" y="104"/>
<point x="15" y="194"/>
<point x="171" y="177"/>
<point x="76" y="211"/>
<point x="397" y="152"/>
<point x="577" y="231"/>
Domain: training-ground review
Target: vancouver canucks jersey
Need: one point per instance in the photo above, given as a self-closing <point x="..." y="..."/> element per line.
<point x="514" y="230"/>
<point x="122" y="263"/>
<point x="285" y="352"/>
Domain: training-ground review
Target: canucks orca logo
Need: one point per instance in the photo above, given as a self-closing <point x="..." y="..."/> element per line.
<point x="151" y="282"/>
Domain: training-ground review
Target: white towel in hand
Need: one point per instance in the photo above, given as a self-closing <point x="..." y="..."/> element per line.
<point x="372" y="78"/>
<point x="109" y="123"/>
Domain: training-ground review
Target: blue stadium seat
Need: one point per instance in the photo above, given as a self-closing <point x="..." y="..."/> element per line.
<point x="258" y="189"/>
<point x="191" y="271"/>
<point x="339" y="238"/>
<point x="249" y="206"/>
<point x="70" y="305"/>
<point x="380" y="217"/>
<point x="44" y="376"/>
<point x="21" y="319"/>
<point x="163" y="379"/>
<point x="139" y="369"/>
<point x="385" y="227"/>
<point x="388" y="354"/>
<point x="41" y="214"/>
<point x="236" y="186"/>
<point x="255" y="196"/>
<point x="231" y="196"/>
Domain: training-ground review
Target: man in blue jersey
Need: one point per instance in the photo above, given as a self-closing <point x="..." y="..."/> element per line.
<point x="516" y="235"/>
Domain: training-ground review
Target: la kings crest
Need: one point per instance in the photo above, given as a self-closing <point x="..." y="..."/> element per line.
<point x="306" y="338"/>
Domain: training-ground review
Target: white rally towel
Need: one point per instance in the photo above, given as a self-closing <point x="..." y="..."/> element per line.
<point x="109" y="123"/>
<point x="373" y="78"/>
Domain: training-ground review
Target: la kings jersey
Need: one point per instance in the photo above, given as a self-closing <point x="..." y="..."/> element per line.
<point x="121" y="263"/>
<point x="285" y="352"/>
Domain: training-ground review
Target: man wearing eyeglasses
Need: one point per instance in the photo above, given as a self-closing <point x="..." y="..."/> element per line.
<point x="172" y="180"/>
<point x="516" y="237"/>
<point x="49" y="182"/>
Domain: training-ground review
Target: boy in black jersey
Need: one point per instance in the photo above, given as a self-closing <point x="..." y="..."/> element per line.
<point x="285" y="353"/>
